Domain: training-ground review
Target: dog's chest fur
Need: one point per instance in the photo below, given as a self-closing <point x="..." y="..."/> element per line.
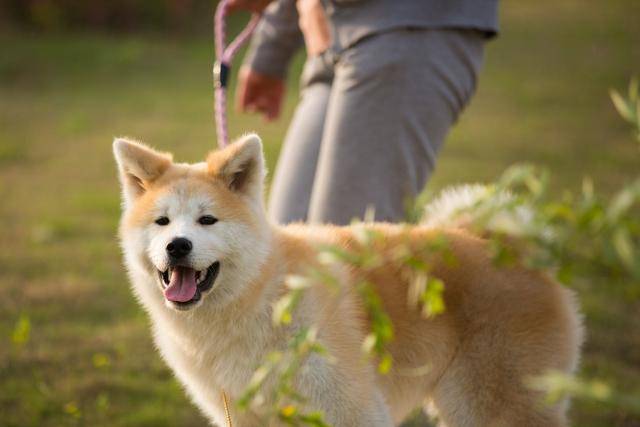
<point x="217" y="353"/>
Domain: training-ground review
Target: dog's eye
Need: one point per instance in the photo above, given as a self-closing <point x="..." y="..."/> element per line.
<point x="207" y="220"/>
<point x="163" y="220"/>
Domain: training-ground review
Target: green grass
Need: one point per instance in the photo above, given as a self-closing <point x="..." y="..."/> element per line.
<point x="87" y="358"/>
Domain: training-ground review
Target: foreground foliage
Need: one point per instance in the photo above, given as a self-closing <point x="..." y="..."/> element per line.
<point x="585" y="240"/>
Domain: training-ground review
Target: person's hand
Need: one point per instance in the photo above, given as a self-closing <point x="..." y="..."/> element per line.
<point x="256" y="6"/>
<point x="260" y="93"/>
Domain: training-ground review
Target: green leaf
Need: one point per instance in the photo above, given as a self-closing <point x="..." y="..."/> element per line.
<point x="282" y="309"/>
<point x="621" y="105"/>
<point x="314" y="419"/>
<point x="296" y="282"/>
<point x="101" y="360"/>
<point x="624" y="247"/>
<point x="433" y="303"/>
<point x="385" y="364"/>
<point x="623" y="201"/>
<point x="72" y="409"/>
<point x="21" y="331"/>
<point x="288" y="412"/>
<point x="369" y="343"/>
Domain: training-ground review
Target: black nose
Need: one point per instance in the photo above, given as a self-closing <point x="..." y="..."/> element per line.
<point x="179" y="247"/>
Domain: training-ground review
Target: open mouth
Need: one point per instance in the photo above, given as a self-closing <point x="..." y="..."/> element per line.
<point x="184" y="286"/>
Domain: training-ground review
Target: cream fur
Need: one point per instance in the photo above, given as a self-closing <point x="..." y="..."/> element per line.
<point x="500" y="327"/>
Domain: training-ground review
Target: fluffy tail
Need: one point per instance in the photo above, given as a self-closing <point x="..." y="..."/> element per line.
<point x="479" y="207"/>
<point x="451" y="209"/>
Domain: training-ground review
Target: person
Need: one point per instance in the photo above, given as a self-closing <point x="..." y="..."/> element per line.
<point x="383" y="83"/>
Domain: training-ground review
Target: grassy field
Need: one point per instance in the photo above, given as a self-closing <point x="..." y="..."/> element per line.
<point x="74" y="345"/>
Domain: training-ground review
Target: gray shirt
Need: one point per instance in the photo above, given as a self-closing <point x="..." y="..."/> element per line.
<point x="278" y="36"/>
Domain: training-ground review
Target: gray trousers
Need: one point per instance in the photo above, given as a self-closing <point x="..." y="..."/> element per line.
<point x="370" y="123"/>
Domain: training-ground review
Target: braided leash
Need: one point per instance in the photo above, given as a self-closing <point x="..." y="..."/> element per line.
<point x="221" y="70"/>
<point x="222" y="65"/>
<point x="227" y="414"/>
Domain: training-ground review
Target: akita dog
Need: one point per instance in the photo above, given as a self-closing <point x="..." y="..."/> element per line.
<point x="207" y="265"/>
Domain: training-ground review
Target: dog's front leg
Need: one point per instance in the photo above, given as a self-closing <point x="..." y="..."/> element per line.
<point x="345" y="397"/>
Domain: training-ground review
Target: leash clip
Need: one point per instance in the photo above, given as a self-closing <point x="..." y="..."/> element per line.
<point x="220" y="74"/>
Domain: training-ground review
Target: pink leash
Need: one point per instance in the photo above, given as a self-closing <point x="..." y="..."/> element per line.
<point x="222" y="66"/>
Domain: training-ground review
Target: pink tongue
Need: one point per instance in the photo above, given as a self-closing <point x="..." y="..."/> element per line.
<point x="183" y="285"/>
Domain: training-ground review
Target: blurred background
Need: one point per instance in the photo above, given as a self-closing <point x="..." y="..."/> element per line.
<point x="75" y="348"/>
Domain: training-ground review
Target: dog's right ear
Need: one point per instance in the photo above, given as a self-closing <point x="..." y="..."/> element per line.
<point x="240" y="166"/>
<point x="138" y="166"/>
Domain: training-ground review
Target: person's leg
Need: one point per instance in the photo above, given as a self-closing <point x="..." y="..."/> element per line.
<point x="294" y="175"/>
<point x="395" y="96"/>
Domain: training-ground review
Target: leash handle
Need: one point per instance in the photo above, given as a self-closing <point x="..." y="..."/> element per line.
<point x="222" y="65"/>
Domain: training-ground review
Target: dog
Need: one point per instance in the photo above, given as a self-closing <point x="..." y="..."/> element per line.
<point x="207" y="265"/>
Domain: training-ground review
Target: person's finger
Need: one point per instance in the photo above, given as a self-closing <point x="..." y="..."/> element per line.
<point x="263" y="104"/>
<point x="270" y="116"/>
<point x="251" y="103"/>
<point x="273" y="109"/>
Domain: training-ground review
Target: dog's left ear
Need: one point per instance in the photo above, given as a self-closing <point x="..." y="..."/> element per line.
<point x="139" y="166"/>
<point x="240" y="165"/>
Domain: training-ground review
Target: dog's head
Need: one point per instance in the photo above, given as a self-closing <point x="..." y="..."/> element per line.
<point x="197" y="231"/>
